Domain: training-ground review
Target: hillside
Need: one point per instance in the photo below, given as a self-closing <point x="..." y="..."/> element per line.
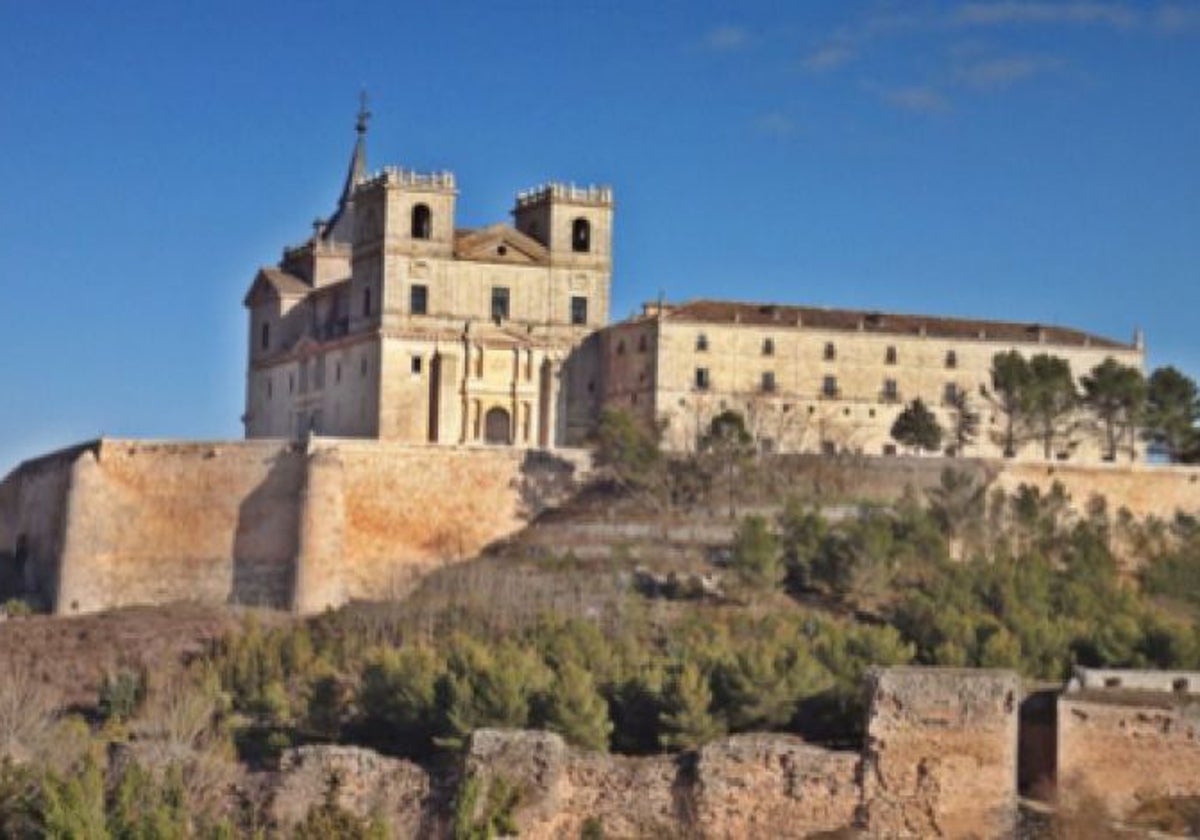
<point x="627" y="624"/>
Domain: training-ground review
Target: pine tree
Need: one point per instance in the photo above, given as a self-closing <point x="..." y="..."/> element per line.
<point x="756" y="555"/>
<point x="1116" y="394"/>
<point x="687" y="720"/>
<point x="1010" y="385"/>
<point x="1172" y="410"/>
<point x="577" y="711"/>
<point x="917" y="427"/>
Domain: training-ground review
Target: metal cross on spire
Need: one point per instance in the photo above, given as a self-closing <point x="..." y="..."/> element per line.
<point x="363" y="113"/>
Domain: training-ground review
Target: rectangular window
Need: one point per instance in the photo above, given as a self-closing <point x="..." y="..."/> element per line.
<point x="701" y="343"/>
<point x="418" y="300"/>
<point x="830" y="352"/>
<point x="891" y="391"/>
<point x="415" y="365"/>
<point x="702" y="380"/>
<point x="950" y="393"/>
<point x="578" y="310"/>
<point x="266" y="336"/>
<point x="499" y="303"/>
<point x="768" y="347"/>
<point x="829" y="386"/>
<point x="951" y="359"/>
<point x="366" y="303"/>
<point x="768" y="381"/>
<point x="890" y="356"/>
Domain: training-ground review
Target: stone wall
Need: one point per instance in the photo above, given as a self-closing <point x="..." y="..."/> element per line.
<point x="118" y="522"/>
<point x="1128" y="746"/>
<point x="1145" y="489"/>
<point x="270" y="523"/>
<point x="941" y="753"/>
<point x="940" y="762"/>
<point x="743" y="786"/>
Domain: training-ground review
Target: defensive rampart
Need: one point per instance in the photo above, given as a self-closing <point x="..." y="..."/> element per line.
<point x="270" y="523"/>
<point x="306" y="526"/>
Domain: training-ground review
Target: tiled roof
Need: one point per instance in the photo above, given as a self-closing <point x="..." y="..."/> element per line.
<point x="279" y="281"/>
<point x="284" y="283"/>
<point x="888" y="323"/>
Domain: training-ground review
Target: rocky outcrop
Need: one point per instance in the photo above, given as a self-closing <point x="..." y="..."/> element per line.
<point x="366" y="784"/>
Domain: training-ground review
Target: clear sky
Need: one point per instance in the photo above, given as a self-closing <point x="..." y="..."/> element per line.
<point x="1027" y="160"/>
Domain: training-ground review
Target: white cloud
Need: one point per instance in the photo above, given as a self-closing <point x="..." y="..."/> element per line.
<point x="775" y="124"/>
<point x="921" y="99"/>
<point x="727" y="38"/>
<point x="829" y="57"/>
<point x="1016" y="12"/>
<point x="1001" y="72"/>
<point x="1176" y="18"/>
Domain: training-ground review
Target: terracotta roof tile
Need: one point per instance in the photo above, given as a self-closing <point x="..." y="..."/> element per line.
<point x="885" y="323"/>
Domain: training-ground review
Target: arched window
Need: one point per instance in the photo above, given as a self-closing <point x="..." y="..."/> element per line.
<point x="422" y="222"/>
<point x="581" y="236"/>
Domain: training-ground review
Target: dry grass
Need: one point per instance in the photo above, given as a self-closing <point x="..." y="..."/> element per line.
<point x="27" y="712"/>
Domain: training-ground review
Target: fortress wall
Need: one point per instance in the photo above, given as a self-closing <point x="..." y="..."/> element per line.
<point x="1128" y="746"/>
<point x="1158" y="490"/>
<point x="408" y="509"/>
<point x="940" y="758"/>
<point x="33" y="499"/>
<point x="123" y="522"/>
<point x="155" y="522"/>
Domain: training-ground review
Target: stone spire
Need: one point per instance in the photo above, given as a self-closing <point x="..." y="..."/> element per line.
<point x="340" y="223"/>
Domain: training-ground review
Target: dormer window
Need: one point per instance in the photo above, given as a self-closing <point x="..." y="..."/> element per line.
<point x="581" y="236"/>
<point x="422" y="222"/>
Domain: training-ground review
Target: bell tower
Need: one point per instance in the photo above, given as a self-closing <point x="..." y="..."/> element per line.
<point x="574" y="222"/>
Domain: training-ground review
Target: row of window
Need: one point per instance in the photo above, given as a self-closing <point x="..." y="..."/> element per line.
<point x="422" y="228"/>
<point x="829" y="386"/>
<point x="418" y="304"/>
<point x="830" y="352"/>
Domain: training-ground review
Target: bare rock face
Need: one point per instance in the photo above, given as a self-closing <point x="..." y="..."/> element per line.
<point x="366" y="784"/>
<point x="772" y="786"/>
<point x="941" y="753"/>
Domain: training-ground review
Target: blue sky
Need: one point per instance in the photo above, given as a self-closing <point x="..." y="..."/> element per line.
<point x="1025" y="160"/>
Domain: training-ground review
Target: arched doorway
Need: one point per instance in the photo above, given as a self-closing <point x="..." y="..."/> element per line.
<point x="497" y="427"/>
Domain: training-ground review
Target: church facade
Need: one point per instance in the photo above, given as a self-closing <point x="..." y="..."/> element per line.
<point x="392" y="323"/>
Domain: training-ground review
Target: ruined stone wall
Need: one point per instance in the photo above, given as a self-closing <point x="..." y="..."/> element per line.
<point x="1128" y="746"/>
<point x="941" y="753"/>
<point x="743" y="786"/>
